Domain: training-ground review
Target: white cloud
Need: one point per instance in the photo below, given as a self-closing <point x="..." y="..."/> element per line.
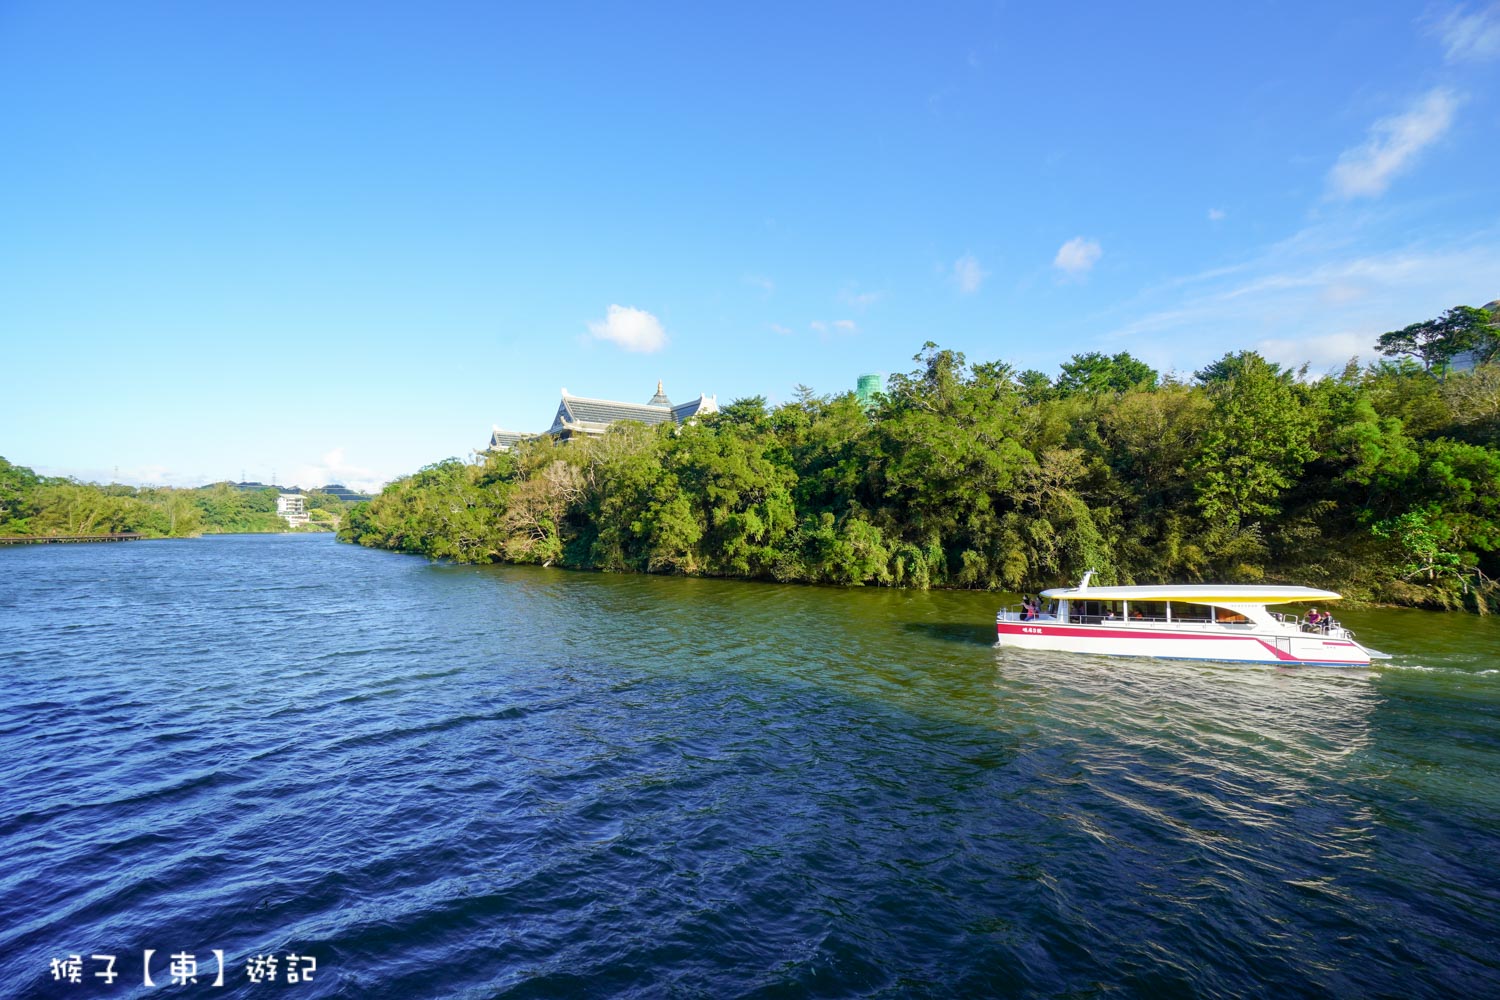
<point x="1216" y="215"/>
<point x="968" y="274"/>
<point x="148" y="475"/>
<point x="632" y="329"/>
<point x="785" y="331"/>
<point x="1368" y="169"/>
<point x="1470" y="37"/>
<point x="819" y="326"/>
<point x="1077" y="256"/>
<point x="335" y="468"/>
<point x="1324" y="353"/>
<point x="846" y="325"/>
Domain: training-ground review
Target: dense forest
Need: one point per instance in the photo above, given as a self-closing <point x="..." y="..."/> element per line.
<point x="32" y="505"/>
<point x="1382" y="482"/>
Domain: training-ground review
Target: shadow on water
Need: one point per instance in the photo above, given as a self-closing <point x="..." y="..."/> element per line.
<point x="967" y="633"/>
<point x="521" y="781"/>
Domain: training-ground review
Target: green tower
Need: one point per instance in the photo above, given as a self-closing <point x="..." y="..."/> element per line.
<point x="868" y="386"/>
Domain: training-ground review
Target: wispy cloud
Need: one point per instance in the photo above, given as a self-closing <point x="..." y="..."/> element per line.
<point x="765" y="284"/>
<point x="1393" y="145"/>
<point x="825" y="328"/>
<point x="1216" y="215"/>
<point x="1312" y="297"/>
<point x="1470" y="37"/>
<point x="851" y="296"/>
<point x="844" y="324"/>
<point x="1078" y="256"/>
<point x="968" y="274"/>
<point x="632" y="329"/>
<point x="785" y="331"/>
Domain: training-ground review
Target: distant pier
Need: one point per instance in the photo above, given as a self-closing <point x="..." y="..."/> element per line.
<point x="122" y="536"/>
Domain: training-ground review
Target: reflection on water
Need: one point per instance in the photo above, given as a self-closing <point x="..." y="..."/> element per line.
<point x="1293" y="718"/>
<point x="522" y="782"/>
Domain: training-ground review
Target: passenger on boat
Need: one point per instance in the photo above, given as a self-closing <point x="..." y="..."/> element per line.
<point x="1315" y="619"/>
<point x="1028" y="609"/>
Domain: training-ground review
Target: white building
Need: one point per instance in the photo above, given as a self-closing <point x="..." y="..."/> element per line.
<point x="293" y="508"/>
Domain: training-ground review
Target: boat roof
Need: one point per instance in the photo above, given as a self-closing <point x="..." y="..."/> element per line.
<point x="1201" y="593"/>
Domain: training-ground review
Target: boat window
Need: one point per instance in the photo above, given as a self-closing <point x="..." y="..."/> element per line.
<point x="1151" y="611"/>
<point x="1228" y="617"/>
<point x="1192" y="612"/>
<point x="1094" y="612"/>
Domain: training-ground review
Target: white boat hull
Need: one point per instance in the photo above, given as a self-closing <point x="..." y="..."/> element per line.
<point x="1230" y="643"/>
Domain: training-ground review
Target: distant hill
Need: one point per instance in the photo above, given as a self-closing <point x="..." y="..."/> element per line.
<point x="333" y="489"/>
<point x="342" y="492"/>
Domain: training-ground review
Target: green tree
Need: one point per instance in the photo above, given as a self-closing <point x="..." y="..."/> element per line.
<point x="1257" y="440"/>
<point x="18" y="486"/>
<point x="1381" y="481"/>
<point x="1149" y="442"/>
<point x="1094" y="373"/>
<point x="1035" y="386"/>
<point x="1436" y="342"/>
<point x="1473" y="401"/>
<point x="748" y="412"/>
<point x="946" y="450"/>
<point x="1403" y="390"/>
<point x="744" y="500"/>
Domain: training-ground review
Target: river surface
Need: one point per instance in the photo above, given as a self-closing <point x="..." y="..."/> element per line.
<point x="445" y="781"/>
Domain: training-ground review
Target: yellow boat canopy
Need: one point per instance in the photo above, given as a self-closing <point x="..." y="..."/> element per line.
<point x="1207" y="593"/>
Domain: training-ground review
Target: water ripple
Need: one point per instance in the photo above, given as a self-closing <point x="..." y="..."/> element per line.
<point x="451" y="781"/>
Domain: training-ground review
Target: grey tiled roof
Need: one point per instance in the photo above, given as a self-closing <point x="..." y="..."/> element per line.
<point x="507" y="439"/>
<point x="579" y="414"/>
<point x="692" y="407"/>
<point x="604" y="411"/>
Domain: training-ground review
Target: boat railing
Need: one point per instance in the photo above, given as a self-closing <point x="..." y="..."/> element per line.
<point x="1329" y="626"/>
<point x="1174" y="622"/>
<point x="1017" y="613"/>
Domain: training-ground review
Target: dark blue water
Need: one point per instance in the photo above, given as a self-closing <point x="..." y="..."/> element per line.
<point x="453" y="781"/>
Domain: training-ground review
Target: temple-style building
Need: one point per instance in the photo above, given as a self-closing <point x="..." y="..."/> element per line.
<point x="580" y="416"/>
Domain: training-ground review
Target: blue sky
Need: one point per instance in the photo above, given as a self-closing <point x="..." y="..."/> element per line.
<point x="335" y="242"/>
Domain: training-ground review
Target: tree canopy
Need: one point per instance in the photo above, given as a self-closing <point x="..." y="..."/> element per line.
<point x="1383" y="482"/>
<point x="33" y="505"/>
<point x="1438" y="342"/>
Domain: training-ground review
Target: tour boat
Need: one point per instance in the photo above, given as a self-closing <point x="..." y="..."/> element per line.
<point x="1193" y="622"/>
